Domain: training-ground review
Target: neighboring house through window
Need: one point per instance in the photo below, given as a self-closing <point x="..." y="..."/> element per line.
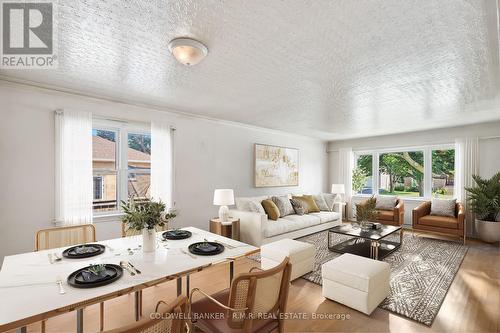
<point x="121" y="164"/>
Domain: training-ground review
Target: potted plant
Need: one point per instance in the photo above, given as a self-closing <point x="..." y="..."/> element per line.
<point x="484" y="201"/>
<point x="366" y="211"/>
<point x="145" y="215"/>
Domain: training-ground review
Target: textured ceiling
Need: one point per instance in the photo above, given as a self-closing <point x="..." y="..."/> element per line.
<point x="330" y="69"/>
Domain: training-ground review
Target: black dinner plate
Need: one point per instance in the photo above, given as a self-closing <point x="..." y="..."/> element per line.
<point x="206" y="248"/>
<point x="176" y="234"/>
<point x="77" y="279"/>
<point x="84" y="251"/>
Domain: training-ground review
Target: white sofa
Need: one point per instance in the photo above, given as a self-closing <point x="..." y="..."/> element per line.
<point x="256" y="229"/>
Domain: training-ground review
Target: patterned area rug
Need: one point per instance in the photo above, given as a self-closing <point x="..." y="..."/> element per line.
<point x="422" y="271"/>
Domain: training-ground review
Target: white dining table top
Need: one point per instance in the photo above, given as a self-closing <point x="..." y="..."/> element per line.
<point x="28" y="281"/>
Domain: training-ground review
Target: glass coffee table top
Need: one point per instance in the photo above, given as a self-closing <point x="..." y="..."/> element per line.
<point x="371" y="243"/>
<point x="350" y="229"/>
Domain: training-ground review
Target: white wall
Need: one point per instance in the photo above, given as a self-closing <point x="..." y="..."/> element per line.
<point x="208" y="154"/>
<point x="489" y="149"/>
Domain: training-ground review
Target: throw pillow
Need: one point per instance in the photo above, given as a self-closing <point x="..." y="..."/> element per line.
<point x="284" y="205"/>
<point x="250" y="204"/>
<point x="386" y="202"/>
<point x="329" y="199"/>
<point x="272" y="211"/>
<point x="298" y="207"/>
<point x="443" y="207"/>
<point x="321" y="203"/>
<point x="311" y="204"/>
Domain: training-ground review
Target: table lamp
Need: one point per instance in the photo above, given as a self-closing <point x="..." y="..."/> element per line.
<point x="338" y="189"/>
<point x="223" y="198"/>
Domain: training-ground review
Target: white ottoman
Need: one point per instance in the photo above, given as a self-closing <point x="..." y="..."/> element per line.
<point x="358" y="282"/>
<point x="301" y="256"/>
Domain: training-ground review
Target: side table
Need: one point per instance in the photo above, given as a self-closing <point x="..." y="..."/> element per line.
<point x="230" y="229"/>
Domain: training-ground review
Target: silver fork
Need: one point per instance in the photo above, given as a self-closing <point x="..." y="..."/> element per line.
<point x="58" y="258"/>
<point x="189" y="254"/>
<point x="60" y="284"/>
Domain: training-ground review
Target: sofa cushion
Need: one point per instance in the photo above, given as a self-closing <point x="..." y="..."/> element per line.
<point x="321" y="203"/>
<point x="439" y="221"/>
<point x="284" y="205"/>
<point x="288" y="224"/>
<point x="272" y="211"/>
<point x="385" y="215"/>
<point x="385" y="202"/>
<point x="250" y="204"/>
<point x="327" y="216"/>
<point x="443" y="207"/>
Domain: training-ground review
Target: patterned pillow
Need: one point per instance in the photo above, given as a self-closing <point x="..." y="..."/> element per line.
<point x="321" y="203"/>
<point x="385" y="202"/>
<point x="250" y="204"/>
<point x="329" y="199"/>
<point x="443" y="207"/>
<point x="284" y="205"/>
<point x="298" y="207"/>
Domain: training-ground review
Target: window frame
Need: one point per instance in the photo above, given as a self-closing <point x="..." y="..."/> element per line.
<point x="122" y="129"/>
<point x="427" y="151"/>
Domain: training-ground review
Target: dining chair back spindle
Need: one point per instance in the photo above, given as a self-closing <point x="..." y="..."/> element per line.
<point x="64" y="236"/>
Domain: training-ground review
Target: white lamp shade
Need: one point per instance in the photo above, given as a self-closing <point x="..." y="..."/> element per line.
<point x="338" y="188"/>
<point x="223" y="197"/>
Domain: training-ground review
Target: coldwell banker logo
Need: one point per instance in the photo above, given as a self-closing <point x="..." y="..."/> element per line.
<point x="28" y="35"/>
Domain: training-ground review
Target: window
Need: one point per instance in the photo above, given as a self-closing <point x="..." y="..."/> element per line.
<point x="98" y="189"/>
<point x="139" y="165"/>
<point x="104" y="166"/>
<point x="443" y="172"/>
<point x="418" y="172"/>
<point x="363" y="175"/>
<point x="401" y="173"/>
<point x="121" y="161"/>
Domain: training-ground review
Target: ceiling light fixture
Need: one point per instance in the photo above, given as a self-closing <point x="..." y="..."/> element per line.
<point x="187" y="51"/>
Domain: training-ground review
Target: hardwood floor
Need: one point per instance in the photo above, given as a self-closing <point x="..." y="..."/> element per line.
<point x="471" y="305"/>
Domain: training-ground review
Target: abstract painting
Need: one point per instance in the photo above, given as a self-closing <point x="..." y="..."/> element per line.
<point x="276" y="166"/>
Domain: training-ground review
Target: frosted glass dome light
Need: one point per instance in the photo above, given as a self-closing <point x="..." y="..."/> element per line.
<point x="187" y="51"/>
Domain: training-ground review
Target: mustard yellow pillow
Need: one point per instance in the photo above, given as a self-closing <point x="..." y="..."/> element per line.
<point x="272" y="211"/>
<point x="309" y="202"/>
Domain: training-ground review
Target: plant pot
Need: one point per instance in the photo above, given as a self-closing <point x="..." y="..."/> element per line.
<point x="149" y="240"/>
<point x="488" y="231"/>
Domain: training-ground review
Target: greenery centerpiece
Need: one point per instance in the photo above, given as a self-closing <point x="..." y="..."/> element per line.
<point x="146" y="215"/>
<point x="484" y="200"/>
<point x="365" y="211"/>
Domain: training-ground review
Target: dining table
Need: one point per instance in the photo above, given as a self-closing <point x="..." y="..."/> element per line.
<point x="30" y="283"/>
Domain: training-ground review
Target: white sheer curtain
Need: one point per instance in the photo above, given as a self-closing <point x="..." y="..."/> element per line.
<point x="161" y="162"/>
<point x="73" y="167"/>
<point x="466" y="165"/>
<point x="346" y="162"/>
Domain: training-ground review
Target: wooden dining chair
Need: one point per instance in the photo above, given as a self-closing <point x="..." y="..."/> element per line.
<point x="51" y="238"/>
<point x="172" y="319"/>
<point x="64" y="236"/>
<point x="253" y="304"/>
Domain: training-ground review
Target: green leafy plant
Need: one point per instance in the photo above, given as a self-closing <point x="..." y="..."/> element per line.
<point x="358" y="179"/>
<point x="145" y="214"/>
<point x="365" y="211"/>
<point x="97" y="269"/>
<point x="484" y="198"/>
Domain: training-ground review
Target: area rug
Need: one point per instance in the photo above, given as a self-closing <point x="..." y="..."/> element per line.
<point x="422" y="271"/>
